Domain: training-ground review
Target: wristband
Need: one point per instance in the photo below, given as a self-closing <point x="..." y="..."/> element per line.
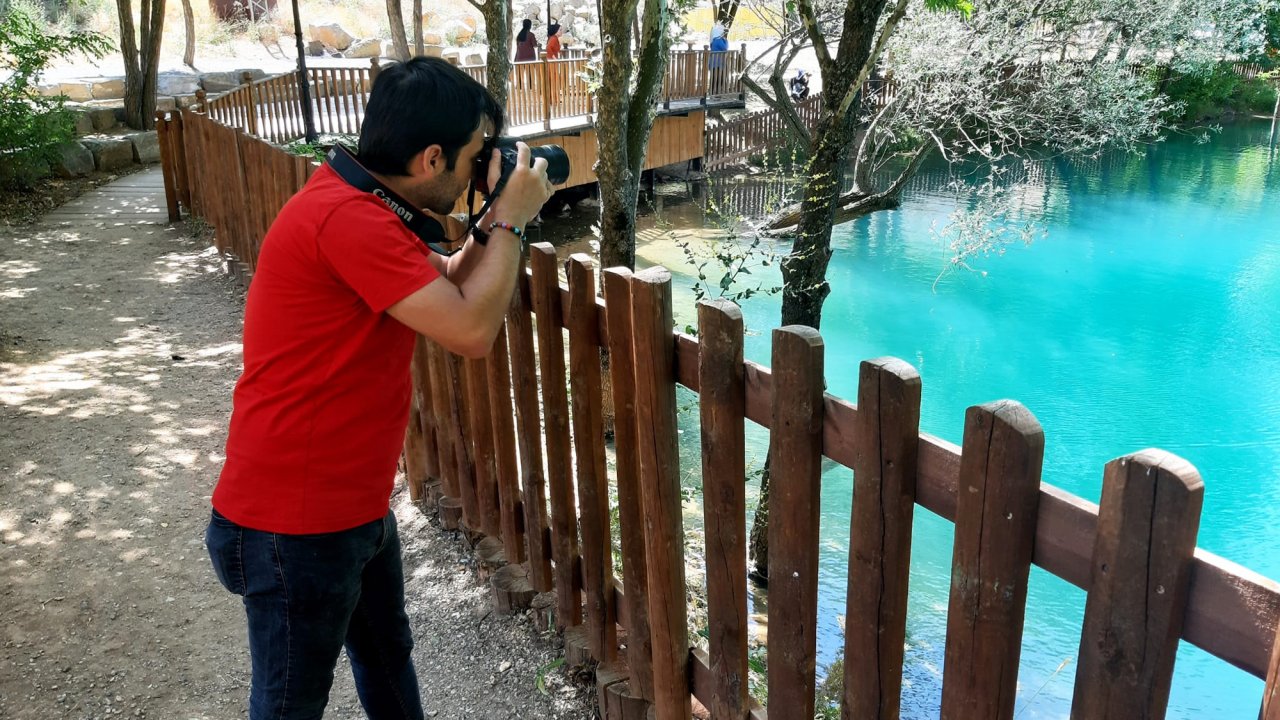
<point x="519" y="233"/>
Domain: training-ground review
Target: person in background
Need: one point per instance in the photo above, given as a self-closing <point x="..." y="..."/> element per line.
<point x="719" y="46"/>
<point x="553" y="53"/>
<point x="526" y="43"/>
<point x="553" y="40"/>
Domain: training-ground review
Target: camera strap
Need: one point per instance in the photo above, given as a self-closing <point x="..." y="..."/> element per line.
<point x="423" y="226"/>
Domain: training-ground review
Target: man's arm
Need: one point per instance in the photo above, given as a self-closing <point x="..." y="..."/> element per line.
<point x="464" y="310"/>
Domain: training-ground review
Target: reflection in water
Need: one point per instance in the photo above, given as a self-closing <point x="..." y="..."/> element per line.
<point x="1148" y="316"/>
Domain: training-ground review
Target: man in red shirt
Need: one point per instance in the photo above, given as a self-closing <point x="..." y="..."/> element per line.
<point x="301" y="526"/>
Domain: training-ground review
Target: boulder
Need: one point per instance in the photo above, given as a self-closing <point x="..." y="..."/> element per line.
<point x="366" y="48"/>
<point x="177" y="83"/>
<point x="146" y="146"/>
<point x="166" y="103"/>
<point x="104" y="118"/>
<point x="109" y="153"/>
<point x="459" y="31"/>
<point x="453" y="55"/>
<point x="76" y="91"/>
<point x="84" y="124"/>
<point x="469" y="22"/>
<point x="255" y="74"/>
<point x="432" y="38"/>
<point x="331" y="34"/>
<point x="108" y="89"/>
<point x="184" y="101"/>
<point x="315" y="48"/>
<point x="433" y="51"/>
<point x="49" y="89"/>
<point x="218" y="82"/>
<point x="473" y="58"/>
<point x="74" y="160"/>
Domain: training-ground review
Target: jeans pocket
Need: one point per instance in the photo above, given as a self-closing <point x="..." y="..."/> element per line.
<point x="224" y="541"/>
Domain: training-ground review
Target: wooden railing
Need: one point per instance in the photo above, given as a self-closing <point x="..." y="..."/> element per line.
<point x="540" y="93"/>
<point x="502" y="445"/>
<point x="750" y="134"/>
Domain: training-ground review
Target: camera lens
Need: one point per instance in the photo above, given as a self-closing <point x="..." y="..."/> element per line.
<point x="557" y="163"/>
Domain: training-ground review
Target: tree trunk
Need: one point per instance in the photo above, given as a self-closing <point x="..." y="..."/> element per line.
<point x="418" y="48"/>
<point x="189" y="26"/>
<point x="497" y="32"/>
<point x="304" y="83"/>
<point x="759" y="541"/>
<point x="395" y="18"/>
<point x="625" y="119"/>
<point x="726" y="10"/>
<point x="141" y="56"/>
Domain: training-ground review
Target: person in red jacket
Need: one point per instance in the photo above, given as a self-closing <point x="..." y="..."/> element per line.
<point x="301" y="526"/>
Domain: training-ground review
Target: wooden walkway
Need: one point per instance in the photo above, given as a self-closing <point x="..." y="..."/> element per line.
<point x="136" y="199"/>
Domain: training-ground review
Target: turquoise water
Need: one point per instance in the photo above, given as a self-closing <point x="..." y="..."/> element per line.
<point x="1149" y="316"/>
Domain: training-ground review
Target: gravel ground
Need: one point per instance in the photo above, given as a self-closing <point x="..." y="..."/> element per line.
<point x="119" y="347"/>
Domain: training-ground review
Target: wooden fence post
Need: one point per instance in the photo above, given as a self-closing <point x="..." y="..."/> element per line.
<point x="504" y="445"/>
<point x="1271" y="693"/>
<point x="169" y="161"/>
<point x="450" y="503"/>
<point x="654" y="357"/>
<point x="886" y="437"/>
<point x="251" y="104"/>
<point x="546" y="93"/>
<point x="524" y="375"/>
<point x="795" y="449"/>
<point x="722" y="396"/>
<point x="588" y="442"/>
<point x="998" y="497"/>
<point x="1147" y="525"/>
<point x="545" y="291"/>
<point x="617" y="293"/>
<point x="481" y="436"/>
<point x="460" y="424"/>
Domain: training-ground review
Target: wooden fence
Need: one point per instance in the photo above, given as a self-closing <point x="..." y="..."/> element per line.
<point x="750" y="134"/>
<point x="512" y="448"/>
<point x="539" y="93"/>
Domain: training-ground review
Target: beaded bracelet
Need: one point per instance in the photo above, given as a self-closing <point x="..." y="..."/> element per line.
<point x="508" y="227"/>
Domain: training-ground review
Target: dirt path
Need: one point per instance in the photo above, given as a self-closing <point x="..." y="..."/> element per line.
<point x="119" y="346"/>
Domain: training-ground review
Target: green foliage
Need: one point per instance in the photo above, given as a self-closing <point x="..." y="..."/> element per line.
<point x="32" y="126"/>
<point x="1219" y="91"/>
<point x="965" y="7"/>
<point x="320" y="148"/>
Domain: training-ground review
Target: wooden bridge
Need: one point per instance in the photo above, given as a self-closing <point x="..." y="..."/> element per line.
<point x="511" y="449"/>
<point x="548" y="102"/>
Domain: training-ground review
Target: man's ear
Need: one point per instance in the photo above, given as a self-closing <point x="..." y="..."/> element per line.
<point x="429" y="163"/>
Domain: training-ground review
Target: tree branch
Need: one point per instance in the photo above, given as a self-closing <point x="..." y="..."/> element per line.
<point x="810" y="21"/>
<point x="887" y="32"/>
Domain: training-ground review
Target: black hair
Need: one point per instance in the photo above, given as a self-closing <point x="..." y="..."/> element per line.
<point x="416" y="104"/>
<point x="524" y="30"/>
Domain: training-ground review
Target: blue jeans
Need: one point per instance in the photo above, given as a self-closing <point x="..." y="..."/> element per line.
<point x="309" y="596"/>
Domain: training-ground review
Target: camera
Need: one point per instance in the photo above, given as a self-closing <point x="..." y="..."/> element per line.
<point x="557" y="164"/>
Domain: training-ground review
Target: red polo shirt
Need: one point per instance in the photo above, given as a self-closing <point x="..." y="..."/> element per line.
<point x="320" y="411"/>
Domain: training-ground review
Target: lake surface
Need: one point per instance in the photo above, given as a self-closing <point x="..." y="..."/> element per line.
<point x="1147" y="316"/>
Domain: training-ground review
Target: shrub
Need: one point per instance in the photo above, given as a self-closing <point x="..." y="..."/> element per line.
<point x="32" y="125"/>
<point x="1217" y="92"/>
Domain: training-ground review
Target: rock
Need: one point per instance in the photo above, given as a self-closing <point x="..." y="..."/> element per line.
<point x="49" y="89"/>
<point x="74" y="160"/>
<point x="474" y="58"/>
<point x="331" y="34"/>
<point x="315" y="48"/>
<point x="146" y="146"/>
<point x="365" y="48"/>
<point x="177" y="83"/>
<point x="469" y="22"/>
<point x="432" y="38"/>
<point x="459" y="31"/>
<point x="84" y="124"/>
<point x="166" y="103"/>
<point x="184" y="101"/>
<point x="108" y="89"/>
<point x="254" y="73"/>
<point x="217" y="82"/>
<point x="109" y="153"/>
<point x="453" y="55"/>
<point x="104" y="118"/>
<point x="76" y="91"/>
<point x="433" y="50"/>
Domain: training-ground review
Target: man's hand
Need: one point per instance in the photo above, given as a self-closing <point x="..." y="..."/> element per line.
<point x="526" y="191"/>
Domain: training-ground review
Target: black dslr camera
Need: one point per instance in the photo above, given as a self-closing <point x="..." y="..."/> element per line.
<point x="557" y="164"/>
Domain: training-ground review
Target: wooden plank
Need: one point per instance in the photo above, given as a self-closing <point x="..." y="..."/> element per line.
<point x="723" y="409"/>
<point x="443" y="386"/>
<point x="426" y="410"/>
<point x="545" y="293"/>
<point x="168" y="166"/>
<point x="995" y="530"/>
<point x="524" y="375"/>
<point x="459" y="423"/>
<point x="1150" y="515"/>
<point x="795" y="499"/>
<point x="504" y="446"/>
<point x="617" y="292"/>
<point x="482" y="453"/>
<point x="588" y="443"/>
<point x="653" y="354"/>
<point x="884" y="497"/>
